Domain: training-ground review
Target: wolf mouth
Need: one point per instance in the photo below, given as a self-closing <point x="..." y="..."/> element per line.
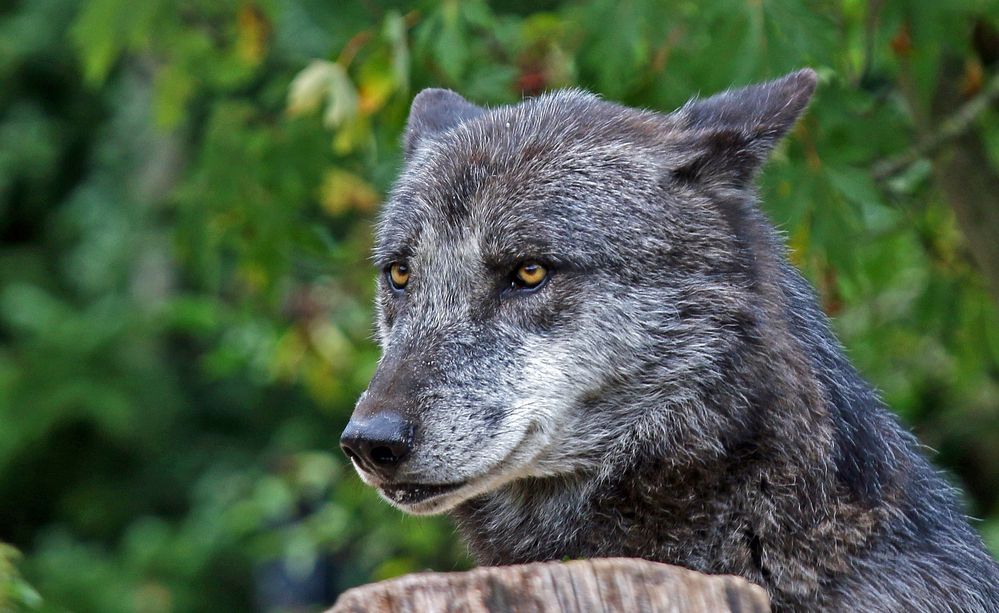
<point x="413" y="493"/>
<point x="427" y="498"/>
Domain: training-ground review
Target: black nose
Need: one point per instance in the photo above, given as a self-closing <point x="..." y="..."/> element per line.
<point x="379" y="443"/>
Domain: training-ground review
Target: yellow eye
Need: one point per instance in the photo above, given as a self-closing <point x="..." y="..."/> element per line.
<point x="530" y="275"/>
<point x="398" y="274"/>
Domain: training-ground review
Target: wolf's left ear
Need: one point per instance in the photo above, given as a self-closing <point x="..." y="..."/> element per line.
<point x="435" y="111"/>
<point x="727" y="137"/>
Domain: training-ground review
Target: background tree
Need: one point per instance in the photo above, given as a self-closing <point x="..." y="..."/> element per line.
<point x="186" y="194"/>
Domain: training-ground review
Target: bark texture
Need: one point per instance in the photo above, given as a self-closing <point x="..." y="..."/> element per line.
<point x="612" y="584"/>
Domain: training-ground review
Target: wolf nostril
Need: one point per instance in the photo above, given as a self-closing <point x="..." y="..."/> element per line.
<point x="384" y="454"/>
<point x="350" y="453"/>
<point x="378" y="444"/>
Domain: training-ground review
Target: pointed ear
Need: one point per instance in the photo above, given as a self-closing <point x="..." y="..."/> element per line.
<point x="730" y="135"/>
<point x="435" y="111"/>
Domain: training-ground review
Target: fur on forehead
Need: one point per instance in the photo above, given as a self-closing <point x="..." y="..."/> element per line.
<point x="441" y="119"/>
<point x="572" y="144"/>
<point x="517" y="165"/>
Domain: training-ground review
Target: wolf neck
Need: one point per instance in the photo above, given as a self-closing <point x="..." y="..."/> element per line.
<point x="802" y="490"/>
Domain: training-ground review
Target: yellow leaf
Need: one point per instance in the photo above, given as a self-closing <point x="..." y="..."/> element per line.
<point x="798" y="245"/>
<point x="352" y="135"/>
<point x="252" y="32"/>
<point x="330" y="343"/>
<point x="343" y="191"/>
<point x="374" y="89"/>
<point x="322" y="385"/>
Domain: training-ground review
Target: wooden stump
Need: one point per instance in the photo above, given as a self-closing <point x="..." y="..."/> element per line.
<point x="612" y="584"/>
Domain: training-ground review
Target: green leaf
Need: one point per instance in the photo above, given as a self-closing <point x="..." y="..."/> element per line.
<point x="104" y="29"/>
<point x="174" y="88"/>
<point x="395" y="33"/>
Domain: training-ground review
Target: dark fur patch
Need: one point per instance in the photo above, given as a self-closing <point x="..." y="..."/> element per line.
<point x="756" y="553"/>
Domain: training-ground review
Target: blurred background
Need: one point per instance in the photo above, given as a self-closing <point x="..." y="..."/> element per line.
<point x="187" y="189"/>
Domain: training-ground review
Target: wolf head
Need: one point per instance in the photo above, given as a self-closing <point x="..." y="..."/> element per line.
<point x="562" y="281"/>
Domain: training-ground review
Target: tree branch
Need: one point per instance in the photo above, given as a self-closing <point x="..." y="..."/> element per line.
<point x="949" y="129"/>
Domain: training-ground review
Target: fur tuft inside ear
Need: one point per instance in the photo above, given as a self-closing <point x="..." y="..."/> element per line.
<point x="732" y="133"/>
<point x="435" y="111"/>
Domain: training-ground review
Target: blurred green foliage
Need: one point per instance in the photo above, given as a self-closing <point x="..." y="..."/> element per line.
<point x="15" y="593"/>
<point x="187" y="189"/>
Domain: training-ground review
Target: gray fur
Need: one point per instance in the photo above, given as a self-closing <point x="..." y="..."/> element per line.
<point x="672" y="392"/>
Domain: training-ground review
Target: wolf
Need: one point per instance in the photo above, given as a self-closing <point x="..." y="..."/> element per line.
<point x="593" y="344"/>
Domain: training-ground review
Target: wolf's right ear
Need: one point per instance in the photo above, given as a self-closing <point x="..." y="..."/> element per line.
<point x="727" y="137"/>
<point x="435" y="111"/>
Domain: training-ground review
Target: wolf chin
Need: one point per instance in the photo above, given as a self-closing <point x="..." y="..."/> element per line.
<point x="594" y="345"/>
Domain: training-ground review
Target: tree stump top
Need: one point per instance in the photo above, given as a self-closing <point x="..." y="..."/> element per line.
<point x="610" y="584"/>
